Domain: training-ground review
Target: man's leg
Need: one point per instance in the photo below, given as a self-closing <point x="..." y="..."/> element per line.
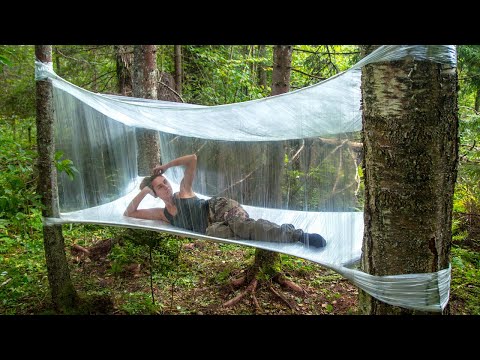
<point x="220" y="211"/>
<point x="225" y="212"/>
<point x="264" y="230"/>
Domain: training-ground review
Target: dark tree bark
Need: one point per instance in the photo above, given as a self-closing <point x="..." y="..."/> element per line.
<point x="63" y="293"/>
<point x="282" y="61"/>
<point x="166" y="88"/>
<point x="262" y="74"/>
<point x="145" y="86"/>
<point x="170" y="86"/>
<point x="477" y="101"/>
<point x="410" y="143"/>
<point x="282" y="64"/>
<point x="178" y="69"/>
<point x="268" y="262"/>
<point x="124" y="60"/>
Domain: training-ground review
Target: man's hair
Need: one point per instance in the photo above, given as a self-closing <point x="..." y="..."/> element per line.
<point x="147" y="181"/>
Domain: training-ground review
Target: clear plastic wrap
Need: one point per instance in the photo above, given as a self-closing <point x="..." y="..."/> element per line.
<point x="322" y="121"/>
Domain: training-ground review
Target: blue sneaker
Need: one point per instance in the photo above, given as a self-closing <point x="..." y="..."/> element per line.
<point x="312" y="239"/>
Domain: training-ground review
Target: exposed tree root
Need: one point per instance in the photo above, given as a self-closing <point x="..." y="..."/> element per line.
<point x="236" y="283"/>
<point x="76" y="249"/>
<point x="294" y="308"/>
<point x="250" y="289"/>
<point x="283" y="281"/>
<point x="253" y="284"/>
<point x="96" y="251"/>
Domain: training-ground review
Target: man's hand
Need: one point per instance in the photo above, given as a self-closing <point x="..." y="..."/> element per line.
<point x="159" y="170"/>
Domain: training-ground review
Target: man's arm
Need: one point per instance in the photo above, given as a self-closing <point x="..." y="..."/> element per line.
<point x="190" y="163"/>
<point x="149" y="214"/>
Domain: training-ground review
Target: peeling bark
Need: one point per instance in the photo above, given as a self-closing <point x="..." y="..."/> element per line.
<point x="124" y="60"/>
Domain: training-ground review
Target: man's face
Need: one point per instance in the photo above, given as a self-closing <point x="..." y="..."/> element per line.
<point x="162" y="187"/>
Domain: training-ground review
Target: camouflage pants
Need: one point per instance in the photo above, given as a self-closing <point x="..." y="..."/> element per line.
<point x="228" y="219"/>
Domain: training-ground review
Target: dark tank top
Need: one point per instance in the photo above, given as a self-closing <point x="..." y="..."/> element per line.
<point x="192" y="214"/>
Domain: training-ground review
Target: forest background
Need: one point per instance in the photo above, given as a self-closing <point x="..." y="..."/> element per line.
<point x="185" y="276"/>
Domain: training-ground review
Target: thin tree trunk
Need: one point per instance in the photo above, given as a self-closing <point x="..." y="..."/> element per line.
<point x="282" y="62"/>
<point x="178" y="69"/>
<point x="477" y="101"/>
<point x="124" y="60"/>
<point x="262" y="74"/>
<point x="410" y="142"/>
<point x="63" y="293"/>
<point x="145" y="86"/>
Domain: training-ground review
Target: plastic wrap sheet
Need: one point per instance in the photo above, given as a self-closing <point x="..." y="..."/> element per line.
<point x="327" y="108"/>
<point x="98" y="132"/>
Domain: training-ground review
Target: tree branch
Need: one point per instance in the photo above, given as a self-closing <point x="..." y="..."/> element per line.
<point x="104" y="74"/>
<point x="325" y="53"/>
<point x="309" y="75"/>
<point x="172" y="90"/>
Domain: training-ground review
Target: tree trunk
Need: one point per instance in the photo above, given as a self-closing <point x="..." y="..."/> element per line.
<point x="145" y="86"/>
<point x="166" y="88"/>
<point x="124" y="59"/>
<point x="178" y="69"/>
<point x="410" y="144"/>
<point x="262" y="74"/>
<point x="282" y="62"/>
<point x="477" y="101"/>
<point x="63" y="293"/>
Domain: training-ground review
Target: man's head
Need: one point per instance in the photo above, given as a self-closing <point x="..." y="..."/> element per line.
<point x="160" y="186"/>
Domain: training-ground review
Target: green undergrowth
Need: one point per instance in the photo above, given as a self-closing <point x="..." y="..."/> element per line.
<point x="465" y="285"/>
<point x="175" y="271"/>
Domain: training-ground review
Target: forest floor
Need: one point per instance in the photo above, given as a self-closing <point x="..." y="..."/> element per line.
<point x="197" y="280"/>
<point x="200" y="283"/>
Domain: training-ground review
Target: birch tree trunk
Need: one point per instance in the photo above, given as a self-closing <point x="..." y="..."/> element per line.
<point x="410" y="144"/>
<point x="63" y="293"/>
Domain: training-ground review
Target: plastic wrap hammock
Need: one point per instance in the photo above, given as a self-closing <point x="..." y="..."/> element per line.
<point x="317" y="126"/>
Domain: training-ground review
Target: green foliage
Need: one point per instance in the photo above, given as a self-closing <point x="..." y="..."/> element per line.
<point x="313" y="63"/>
<point x="139" y="303"/>
<point x="23" y="276"/>
<point x="466" y="202"/>
<point x="135" y="249"/>
<point x="17" y="81"/>
<point x="465" y="284"/>
<point x="4" y="61"/>
<point x="65" y="165"/>
<point x="469" y="72"/>
<point x="222" y="74"/>
<point x="18" y="197"/>
<point x="92" y="67"/>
